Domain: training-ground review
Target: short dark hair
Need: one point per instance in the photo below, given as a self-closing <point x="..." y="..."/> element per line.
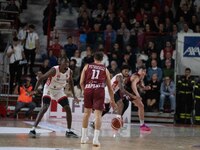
<point x="98" y="56"/>
<point x="31" y="26"/>
<point x="68" y="37"/>
<point x="15" y="39"/>
<point x="64" y="58"/>
<point x="125" y="67"/>
<point x="187" y="69"/>
<point x="142" y="67"/>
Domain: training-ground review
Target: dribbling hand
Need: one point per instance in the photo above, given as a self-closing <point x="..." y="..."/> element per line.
<point x="76" y="100"/>
<point x="114" y="106"/>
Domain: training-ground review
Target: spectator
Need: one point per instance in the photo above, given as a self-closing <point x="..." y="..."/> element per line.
<point x="113" y="68"/>
<point x="51" y="7"/>
<point x="153" y="94"/>
<point x="180" y="23"/>
<point x="168" y="48"/>
<point x="95" y="37"/>
<point x="77" y="57"/>
<point x="53" y="60"/>
<point x="31" y="47"/>
<point x="174" y="34"/>
<point x="76" y="71"/>
<point x="22" y="33"/>
<point x="154" y="69"/>
<point x="56" y="47"/>
<point x="168" y="57"/>
<point x="193" y="22"/>
<point x="109" y="38"/>
<point x="84" y="23"/>
<point x="167" y="90"/>
<point x="123" y="35"/>
<point x="98" y="11"/>
<point x="88" y="58"/>
<point x="70" y="47"/>
<point x="153" y="55"/>
<point x="186" y="29"/>
<point x="167" y="13"/>
<point x="168" y="70"/>
<point x="45" y="66"/>
<point x="25" y="98"/>
<point x="15" y="53"/>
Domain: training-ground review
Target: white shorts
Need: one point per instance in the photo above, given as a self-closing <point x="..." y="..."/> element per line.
<point x="53" y="94"/>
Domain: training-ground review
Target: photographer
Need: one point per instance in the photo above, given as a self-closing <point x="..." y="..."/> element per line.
<point x="15" y="53"/>
<point x="25" y="98"/>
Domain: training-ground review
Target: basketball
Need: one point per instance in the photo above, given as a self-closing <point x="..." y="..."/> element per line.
<point x="116" y="123"/>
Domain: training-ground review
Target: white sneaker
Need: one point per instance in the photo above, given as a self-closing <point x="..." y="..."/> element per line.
<point x="96" y="143"/>
<point x="84" y="140"/>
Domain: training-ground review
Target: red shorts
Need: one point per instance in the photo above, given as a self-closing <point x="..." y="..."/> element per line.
<point x="94" y="98"/>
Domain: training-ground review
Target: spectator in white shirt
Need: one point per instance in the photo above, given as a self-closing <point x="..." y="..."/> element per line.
<point x="31" y="47"/>
<point x="15" y="53"/>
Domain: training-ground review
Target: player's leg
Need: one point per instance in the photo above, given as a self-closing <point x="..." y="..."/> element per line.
<point x="98" y="105"/>
<point x="64" y="102"/>
<point x="126" y="104"/>
<point x="46" y="102"/>
<point x="138" y="103"/>
<point x="87" y="112"/>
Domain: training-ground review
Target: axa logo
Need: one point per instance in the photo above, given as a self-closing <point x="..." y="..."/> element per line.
<point x="191" y="47"/>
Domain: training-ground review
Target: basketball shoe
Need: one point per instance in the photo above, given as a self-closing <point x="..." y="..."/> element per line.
<point x="144" y="128"/>
<point x="84" y="140"/>
<point x="96" y="143"/>
<point x="32" y="134"/>
<point x="71" y="134"/>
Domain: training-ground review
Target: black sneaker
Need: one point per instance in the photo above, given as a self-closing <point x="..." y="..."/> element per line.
<point x="32" y="134"/>
<point x="71" y="134"/>
<point x="92" y="125"/>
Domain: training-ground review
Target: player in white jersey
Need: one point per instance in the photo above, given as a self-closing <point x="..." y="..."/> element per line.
<point x="54" y="89"/>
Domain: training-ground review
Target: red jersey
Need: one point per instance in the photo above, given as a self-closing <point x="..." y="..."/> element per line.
<point x="95" y="76"/>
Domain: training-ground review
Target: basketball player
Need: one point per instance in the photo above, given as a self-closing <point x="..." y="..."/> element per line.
<point x="94" y="78"/>
<point x="54" y="89"/>
<point x="137" y="80"/>
<point x="117" y="83"/>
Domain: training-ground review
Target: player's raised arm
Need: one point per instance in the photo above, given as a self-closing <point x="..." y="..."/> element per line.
<point x="49" y="73"/>
<point x="82" y="80"/>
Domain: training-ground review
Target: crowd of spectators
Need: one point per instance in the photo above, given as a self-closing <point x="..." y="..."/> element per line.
<point x="135" y="33"/>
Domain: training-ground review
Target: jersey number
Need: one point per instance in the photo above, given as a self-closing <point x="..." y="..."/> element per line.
<point x="95" y="74"/>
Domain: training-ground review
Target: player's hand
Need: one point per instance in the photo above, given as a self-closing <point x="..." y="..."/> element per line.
<point x="146" y="88"/>
<point x="114" y="105"/>
<point x="32" y="93"/>
<point x="76" y="100"/>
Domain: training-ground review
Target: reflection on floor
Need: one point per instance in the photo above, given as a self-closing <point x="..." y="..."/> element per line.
<point x="51" y="136"/>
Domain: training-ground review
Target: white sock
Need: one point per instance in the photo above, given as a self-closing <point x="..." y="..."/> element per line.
<point x="68" y="130"/>
<point x="119" y="116"/>
<point x="84" y="132"/>
<point x="33" y="128"/>
<point x="96" y="134"/>
<point x="141" y="122"/>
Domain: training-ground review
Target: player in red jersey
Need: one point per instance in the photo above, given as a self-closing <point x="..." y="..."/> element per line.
<point x="94" y="78"/>
<point x="132" y="86"/>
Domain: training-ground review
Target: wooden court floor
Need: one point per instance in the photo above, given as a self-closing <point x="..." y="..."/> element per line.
<point x="51" y="136"/>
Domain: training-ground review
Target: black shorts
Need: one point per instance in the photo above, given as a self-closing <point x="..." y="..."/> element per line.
<point x="63" y="101"/>
<point x="117" y="96"/>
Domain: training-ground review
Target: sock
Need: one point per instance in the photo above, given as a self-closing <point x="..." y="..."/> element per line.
<point x="68" y="130"/>
<point x="119" y="116"/>
<point x="96" y="134"/>
<point x="84" y="132"/>
<point x="33" y="128"/>
<point x="141" y="122"/>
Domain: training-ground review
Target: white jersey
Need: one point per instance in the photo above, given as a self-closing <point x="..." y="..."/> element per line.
<point x="58" y="81"/>
<point x="115" y="87"/>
